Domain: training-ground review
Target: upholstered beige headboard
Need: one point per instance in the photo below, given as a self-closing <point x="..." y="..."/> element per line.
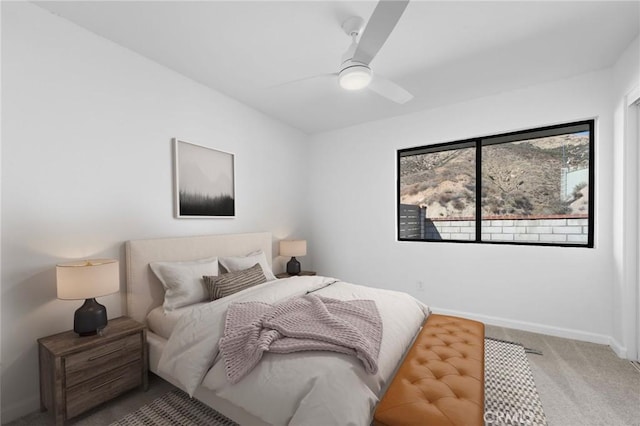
<point x="144" y="290"/>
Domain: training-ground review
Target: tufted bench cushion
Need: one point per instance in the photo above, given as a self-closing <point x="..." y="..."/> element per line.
<point x="441" y="380"/>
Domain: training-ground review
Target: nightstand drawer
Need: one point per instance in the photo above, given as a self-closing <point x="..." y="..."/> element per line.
<point x="85" y="365"/>
<point x="102" y="388"/>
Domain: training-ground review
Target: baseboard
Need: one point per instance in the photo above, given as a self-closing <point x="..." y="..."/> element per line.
<point x="20" y="409"/>
<point x="566" y="333"/>
<point x="620" y="350"/>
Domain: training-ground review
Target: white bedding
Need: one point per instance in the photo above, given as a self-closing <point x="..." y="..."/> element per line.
<point x="162" y="323"/>
<point x="306" y="388"/>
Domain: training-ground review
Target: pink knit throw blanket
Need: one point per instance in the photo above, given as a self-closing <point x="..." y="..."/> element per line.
<point x="307" y="323"/>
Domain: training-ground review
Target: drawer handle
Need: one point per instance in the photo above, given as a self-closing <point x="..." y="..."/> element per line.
<point x="93" y="358"/>
<point x="107" y="382"/>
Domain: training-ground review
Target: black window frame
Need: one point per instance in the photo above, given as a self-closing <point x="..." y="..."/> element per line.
<point x="479" y="143"/>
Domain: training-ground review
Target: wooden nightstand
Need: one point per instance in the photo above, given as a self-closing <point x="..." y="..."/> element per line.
<point x="79" y="373"/>
<point x="285" y="275"/>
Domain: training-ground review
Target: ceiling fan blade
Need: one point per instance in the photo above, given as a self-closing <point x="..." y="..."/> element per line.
<point x="300" y="80"/>
<point x="383" y="20"/>
<point x="390" y="90"/>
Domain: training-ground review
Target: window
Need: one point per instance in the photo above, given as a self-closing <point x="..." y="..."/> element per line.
<point x="535" y="186"/>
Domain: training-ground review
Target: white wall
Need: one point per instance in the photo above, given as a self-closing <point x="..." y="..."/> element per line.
<point x="554" y="290"/>
<point x="87" y="165"/>
<point x="626" y="284"/>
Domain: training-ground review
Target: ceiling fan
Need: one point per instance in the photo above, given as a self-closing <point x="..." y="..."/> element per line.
<point x="355" y="72"/>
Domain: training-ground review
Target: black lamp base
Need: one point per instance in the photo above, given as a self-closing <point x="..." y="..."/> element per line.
<point x="90" y="318"/>
<point x="293" y="267"/>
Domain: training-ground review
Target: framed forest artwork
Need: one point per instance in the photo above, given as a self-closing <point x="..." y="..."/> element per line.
<point x="204" y="182"/>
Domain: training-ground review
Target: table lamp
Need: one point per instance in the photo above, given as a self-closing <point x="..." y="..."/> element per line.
<point x="88" y="279"/>
<point x="293" y="248"/>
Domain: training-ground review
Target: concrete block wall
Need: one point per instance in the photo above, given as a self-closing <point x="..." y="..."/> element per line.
<point x="569" y="230"/>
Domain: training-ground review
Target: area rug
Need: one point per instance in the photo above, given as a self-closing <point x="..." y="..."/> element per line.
<point x="511" y="398"/>
<point x="510" y="394"/>
<point x="175" y="409"/>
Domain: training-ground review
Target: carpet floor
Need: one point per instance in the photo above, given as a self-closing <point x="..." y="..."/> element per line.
<point x="580" y="383"/>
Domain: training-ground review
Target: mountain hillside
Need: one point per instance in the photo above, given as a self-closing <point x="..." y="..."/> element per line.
<point x="519" y="178"/>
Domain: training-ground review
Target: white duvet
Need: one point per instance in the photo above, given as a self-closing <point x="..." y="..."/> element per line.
<point x="303" y="388"/>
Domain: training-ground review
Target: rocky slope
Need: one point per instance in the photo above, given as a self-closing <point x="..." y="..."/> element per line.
<point x="518" y="178"/>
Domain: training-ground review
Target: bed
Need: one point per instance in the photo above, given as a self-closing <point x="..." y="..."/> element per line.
<point x="312" y="387"/>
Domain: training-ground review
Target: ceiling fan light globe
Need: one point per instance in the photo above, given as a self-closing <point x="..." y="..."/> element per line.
<point x="355" y="77"/>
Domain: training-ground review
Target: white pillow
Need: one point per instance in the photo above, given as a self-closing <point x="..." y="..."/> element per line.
<point x="233" y="264"/>
<point x="182" y="281"/>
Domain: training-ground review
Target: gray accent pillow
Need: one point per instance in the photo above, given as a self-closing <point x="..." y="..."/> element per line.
<point x="233" y="282"/>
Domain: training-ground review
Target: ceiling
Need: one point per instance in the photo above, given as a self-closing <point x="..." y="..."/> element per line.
<point x="441" y="51"/>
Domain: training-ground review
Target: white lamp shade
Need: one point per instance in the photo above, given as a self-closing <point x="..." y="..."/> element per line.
<point x="87" y="279"/>
<point x="293" y="248"/>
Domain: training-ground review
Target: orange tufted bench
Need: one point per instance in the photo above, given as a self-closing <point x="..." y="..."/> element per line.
<point x="441" y="380"/>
